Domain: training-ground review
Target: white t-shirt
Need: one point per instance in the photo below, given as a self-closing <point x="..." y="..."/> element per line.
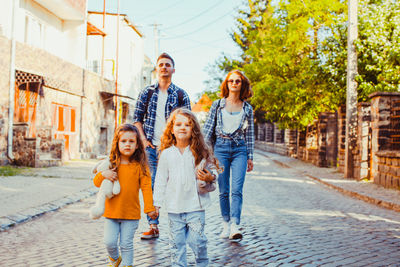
<point x="231" y="122"/>
<point x="160" y="122"/>
<point x="175" y="187"/>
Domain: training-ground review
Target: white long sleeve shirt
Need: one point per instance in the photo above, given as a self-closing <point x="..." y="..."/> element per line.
<point x="175" y="187"/>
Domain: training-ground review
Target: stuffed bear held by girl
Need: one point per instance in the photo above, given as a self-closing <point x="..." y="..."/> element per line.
<point x="107" y="189"/>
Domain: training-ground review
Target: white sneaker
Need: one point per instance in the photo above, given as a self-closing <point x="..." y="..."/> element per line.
<point x="235" y="233"/>
<point x="225" y="229"/>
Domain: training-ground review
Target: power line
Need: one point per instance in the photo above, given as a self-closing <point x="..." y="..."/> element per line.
<point x="196" y="16"/>
<point x="156" y="13"/>
<point x="199" y="29"/>
<point x="200" y="44"/>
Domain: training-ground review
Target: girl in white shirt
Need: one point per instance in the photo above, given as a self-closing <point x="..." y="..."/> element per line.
<point x="175" y="189"/>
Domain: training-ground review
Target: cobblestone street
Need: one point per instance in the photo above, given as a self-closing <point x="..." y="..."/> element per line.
<point x="288" y="219"/>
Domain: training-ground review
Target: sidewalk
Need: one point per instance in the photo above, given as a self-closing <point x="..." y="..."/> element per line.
<point x="40" y="190"/>
<point x="366" y="191"/>
<point x="48" y="189"/>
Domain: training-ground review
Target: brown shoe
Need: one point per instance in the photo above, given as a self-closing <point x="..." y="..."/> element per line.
<point x="152" y="233"/>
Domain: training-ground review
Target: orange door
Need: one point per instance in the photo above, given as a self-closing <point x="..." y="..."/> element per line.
<point x="25" y="102"/>
<point x="64" y="125"/>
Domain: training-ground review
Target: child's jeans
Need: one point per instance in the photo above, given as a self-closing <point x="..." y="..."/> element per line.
<point x="125" y="230"/>
<point x="152" y="156"/>
<point x="187" y="227"/>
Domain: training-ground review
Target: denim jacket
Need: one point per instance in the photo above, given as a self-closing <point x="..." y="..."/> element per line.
<point x="245" y="130"/>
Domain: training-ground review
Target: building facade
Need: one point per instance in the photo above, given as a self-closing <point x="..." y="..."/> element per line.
<point x="59" y="108"/>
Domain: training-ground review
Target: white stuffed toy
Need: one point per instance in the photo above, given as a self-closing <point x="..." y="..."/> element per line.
<point x="107" y="189"/>
<point x="204" y="187"/>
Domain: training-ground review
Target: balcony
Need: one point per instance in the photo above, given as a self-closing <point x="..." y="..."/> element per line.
<point x="65" y="9"/>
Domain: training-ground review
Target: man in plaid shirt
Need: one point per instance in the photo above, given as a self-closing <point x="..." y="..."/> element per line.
<point x="153" y="107"/>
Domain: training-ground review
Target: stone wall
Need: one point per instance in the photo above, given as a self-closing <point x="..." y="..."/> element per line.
<point x="341" y="138"/>
<point x="381" y="106"/>
<point x="362" y="160"/>
<point x="291" y="142"/>
<point x="65" y="84"/>
<point x="388" y="169"/>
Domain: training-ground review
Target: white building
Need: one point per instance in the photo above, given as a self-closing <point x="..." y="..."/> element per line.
<point x="55" y="26"/>
<point x="123" y="39"/>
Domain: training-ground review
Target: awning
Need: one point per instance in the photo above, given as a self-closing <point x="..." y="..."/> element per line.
<point x="107" y="95"/>
<point x="93" y="30"/>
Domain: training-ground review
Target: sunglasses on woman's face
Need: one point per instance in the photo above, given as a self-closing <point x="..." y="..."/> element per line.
<point x="235" y="81"/>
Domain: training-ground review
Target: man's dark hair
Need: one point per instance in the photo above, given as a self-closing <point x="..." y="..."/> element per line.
<point x="165" y="55"/>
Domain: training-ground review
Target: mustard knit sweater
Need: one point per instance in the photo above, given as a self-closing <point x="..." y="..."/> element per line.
<point x="126" y="204"/>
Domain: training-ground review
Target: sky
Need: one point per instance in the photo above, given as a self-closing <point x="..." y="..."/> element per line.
<point x="194" y="33"/>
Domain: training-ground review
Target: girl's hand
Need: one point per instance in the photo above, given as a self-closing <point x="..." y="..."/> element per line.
<point x="147" y="143"/>
<point x="249" y="165"/>
<point x="152" y="214"/>
<point x="205" y="175"/>
<point x="110" y="175"/>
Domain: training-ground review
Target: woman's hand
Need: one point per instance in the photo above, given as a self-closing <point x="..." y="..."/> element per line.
<point x="110" y="175"/>
<point x="205" y="175"/>
<point x="249" y="165"/>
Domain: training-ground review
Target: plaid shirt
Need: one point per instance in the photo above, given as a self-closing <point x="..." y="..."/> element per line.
<point x="245" y="130"/>
<point x="148" y="117"/>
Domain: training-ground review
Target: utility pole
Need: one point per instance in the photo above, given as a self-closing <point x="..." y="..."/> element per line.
<point x="156" y="32"/>
<point x="116" y="70"/>
<point x="351" y="99"/>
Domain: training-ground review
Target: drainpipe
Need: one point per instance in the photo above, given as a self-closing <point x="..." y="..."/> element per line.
<point x="83" y="82"/>
<point x="12" y="87"/>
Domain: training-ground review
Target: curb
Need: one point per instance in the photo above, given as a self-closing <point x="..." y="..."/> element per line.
<point x="12" y="220"/>
<point x="365" y="198"/>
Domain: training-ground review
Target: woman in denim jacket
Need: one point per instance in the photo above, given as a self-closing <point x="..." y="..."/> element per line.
<point x="229" y="128"/>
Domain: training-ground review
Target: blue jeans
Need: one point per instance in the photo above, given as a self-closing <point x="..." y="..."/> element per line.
<point x="152" y="155"/>
<point x="187" y="227"/>
<point x="233" y="157"/>
<point x="125" y="231"/>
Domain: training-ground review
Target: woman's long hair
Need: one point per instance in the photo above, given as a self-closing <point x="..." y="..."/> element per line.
<point x="139" y="155"/>
<point x="198" y="146"/>
<point x="245" y="89"/>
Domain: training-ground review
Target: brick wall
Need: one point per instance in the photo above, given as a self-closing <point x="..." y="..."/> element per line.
<point x="381" y="104"/>
<point x="79" y="5"/>
<point x="388" y="169"/>
<point x="341" y="138"/>
<point x="362" y="160"/>
<point x="63" y="85"/>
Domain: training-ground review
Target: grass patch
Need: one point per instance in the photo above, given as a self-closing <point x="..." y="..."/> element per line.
<point x="11" y="170"/>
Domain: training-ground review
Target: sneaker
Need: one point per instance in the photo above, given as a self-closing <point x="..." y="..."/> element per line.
<point x="235" y="233"/>
<point x="114" y="263"/>
<point x="225" y="230"/>
<point x="152" y="233"/>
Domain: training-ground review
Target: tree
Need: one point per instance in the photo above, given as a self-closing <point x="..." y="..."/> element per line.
<point x="378" y="47"/>
<point x="284" y="61"/>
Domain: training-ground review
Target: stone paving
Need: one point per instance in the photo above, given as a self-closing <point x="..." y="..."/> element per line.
<point x="289" y="219"/>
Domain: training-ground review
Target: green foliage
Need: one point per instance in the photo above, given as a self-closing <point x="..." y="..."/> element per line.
<point x="284" y="66"/>
<point x="11" y="170"/>
<point x="295" y="54"/>
<point x="378" y="47"/>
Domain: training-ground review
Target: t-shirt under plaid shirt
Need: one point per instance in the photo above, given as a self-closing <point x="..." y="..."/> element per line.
<point x="245" y="130"/>
<point x="148" y="117"/>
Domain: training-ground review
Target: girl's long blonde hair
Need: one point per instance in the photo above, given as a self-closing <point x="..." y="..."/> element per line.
<point x="139" y="155"/>
<point x="197" y="145"/>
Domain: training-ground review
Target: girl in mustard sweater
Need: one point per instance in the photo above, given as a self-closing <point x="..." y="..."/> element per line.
<point x="122" y="212"/>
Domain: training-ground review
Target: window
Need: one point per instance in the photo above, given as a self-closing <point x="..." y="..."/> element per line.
<point x="34" y="32"/>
